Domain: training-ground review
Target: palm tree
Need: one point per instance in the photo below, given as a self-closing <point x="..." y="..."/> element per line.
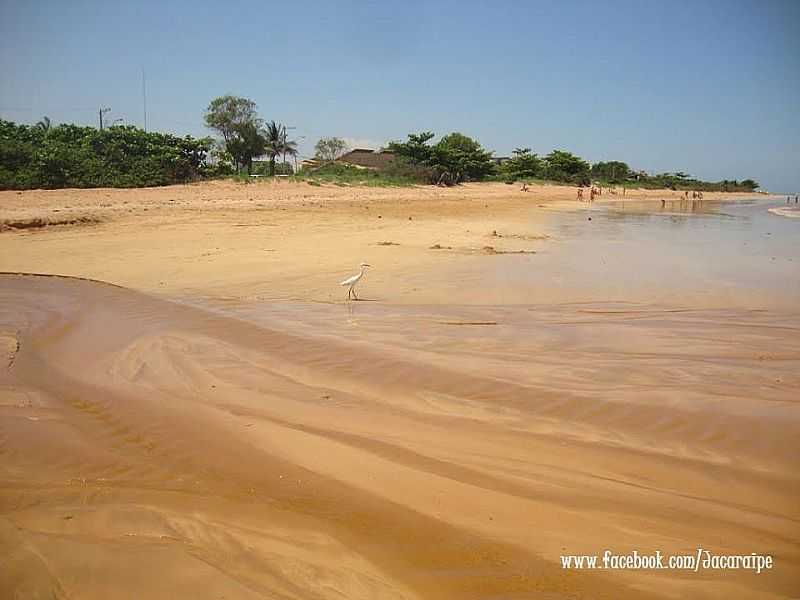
<point x="275" y="135"/>
<point x="44" y="125"/>
<point x="278" y="144"/>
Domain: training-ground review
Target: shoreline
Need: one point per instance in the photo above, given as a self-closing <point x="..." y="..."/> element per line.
<point x="226" y="238"/>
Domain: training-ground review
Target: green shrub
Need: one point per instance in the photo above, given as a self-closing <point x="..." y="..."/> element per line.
<point x="84" y="157"/>
<point x="341" y="173"/>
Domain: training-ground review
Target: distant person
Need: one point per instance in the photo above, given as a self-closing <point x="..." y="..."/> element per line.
<point x="663" y="203"/>
<point x="789" y="199"/>
<point x="580" y="194"/>
<point x="524" y="187"/>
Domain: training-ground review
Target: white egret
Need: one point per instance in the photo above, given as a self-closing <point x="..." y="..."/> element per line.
<point x="351" y="282"/>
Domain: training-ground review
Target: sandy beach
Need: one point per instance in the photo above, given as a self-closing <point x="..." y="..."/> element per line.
<point x="189" y="407"/>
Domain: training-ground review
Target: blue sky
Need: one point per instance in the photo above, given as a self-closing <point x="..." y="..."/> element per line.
<point x="710" y="88"/>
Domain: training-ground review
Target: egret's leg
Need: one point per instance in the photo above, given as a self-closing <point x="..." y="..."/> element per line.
<point x="354" y="293"/>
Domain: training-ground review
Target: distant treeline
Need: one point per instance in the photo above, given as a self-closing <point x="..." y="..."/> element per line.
<point x="456" y="157"/>
<point x="43" y="156"/>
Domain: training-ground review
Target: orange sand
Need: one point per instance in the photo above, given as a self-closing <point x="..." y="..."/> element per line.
<point x="224" y="426"/>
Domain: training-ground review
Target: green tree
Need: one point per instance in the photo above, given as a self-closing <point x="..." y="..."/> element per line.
<point x="456" y="157"/>
<point x="416" y="149"/>
<point x="236" y="119"/>
<point x="247" y="142"/>
<point x="226" y="113"/>
<point x="613" y="171"/>
<point x="749" y="184"/>
<point x="565" y="166"/>
<point x="462" y="157"/>
<point x="523" y="163"/>
<point x="44" y="125"/>
<point x="329" y="148"/>
<point x="277" y="144"/>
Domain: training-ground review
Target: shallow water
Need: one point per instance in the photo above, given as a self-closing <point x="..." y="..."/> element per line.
<point x="687" y="255"/>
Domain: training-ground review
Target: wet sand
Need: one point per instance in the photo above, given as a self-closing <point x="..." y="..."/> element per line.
<point x="283" y="241"/>
<point x="225" y="426"/>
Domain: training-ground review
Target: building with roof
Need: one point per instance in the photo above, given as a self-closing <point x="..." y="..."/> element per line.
<point x="367" y="158"/>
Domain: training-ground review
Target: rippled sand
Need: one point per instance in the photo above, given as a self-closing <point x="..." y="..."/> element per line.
<point x="162" y="445"/>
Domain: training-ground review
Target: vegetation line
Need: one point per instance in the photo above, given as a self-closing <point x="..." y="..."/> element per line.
<point x="47" y="156"/>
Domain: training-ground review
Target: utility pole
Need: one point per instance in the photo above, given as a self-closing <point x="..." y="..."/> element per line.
<point x="144" y="100"/>
<point x="102" y="112"/>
